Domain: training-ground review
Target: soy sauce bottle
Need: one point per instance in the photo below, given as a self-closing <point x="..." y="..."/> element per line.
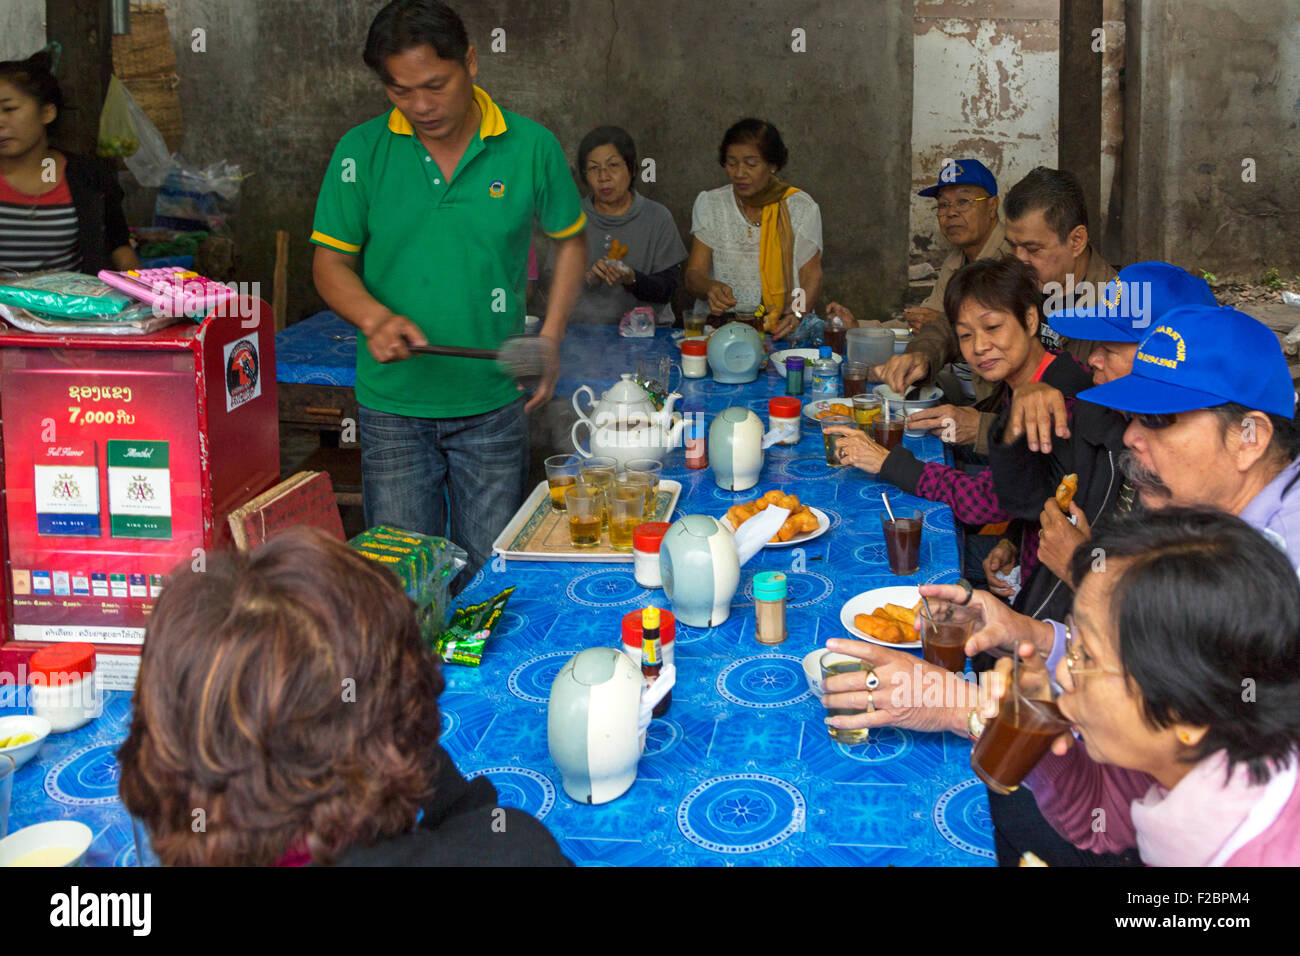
<point x="652" y="662"/>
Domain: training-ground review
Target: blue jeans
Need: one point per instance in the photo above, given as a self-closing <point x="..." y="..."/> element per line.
<point x="411" y="468"/>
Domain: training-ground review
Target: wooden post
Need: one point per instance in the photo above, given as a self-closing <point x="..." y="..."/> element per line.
<point x="1080" y="105"/>
<point x="280" y="284"/>
<point x="83" y="29"/>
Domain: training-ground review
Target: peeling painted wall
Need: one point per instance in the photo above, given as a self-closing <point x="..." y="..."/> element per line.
<point x="1112" y="101"/>
<point x="283" y="80"/>
<point x="22" y="28"/>
<point x="984" y="86"/>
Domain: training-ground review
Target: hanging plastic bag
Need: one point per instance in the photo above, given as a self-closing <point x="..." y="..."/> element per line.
<point x="193" y="198"/>
<point x="126" y="133"/>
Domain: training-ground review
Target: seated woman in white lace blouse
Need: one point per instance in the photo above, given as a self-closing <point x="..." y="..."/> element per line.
<point x="757" y="241"/>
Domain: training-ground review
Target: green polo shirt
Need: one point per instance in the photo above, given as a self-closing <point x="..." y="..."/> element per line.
<point x="450" y="255"/>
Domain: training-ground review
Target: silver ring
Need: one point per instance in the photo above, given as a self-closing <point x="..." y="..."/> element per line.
<point x="871" y="703"/>
<point x="872" y="680"/>
<point x="970" y="591"/>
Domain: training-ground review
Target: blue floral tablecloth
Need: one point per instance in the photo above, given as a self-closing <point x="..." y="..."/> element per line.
<point x="741" y="770"/>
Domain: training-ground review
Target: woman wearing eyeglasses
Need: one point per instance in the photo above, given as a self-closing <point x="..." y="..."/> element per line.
<point x="634" y="251"/>
<point x="1182" y="680"/>
<point x="757" y="240"/>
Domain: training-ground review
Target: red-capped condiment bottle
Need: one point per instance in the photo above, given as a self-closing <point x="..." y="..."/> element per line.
<point x="634" y="645"/>
<point x="783" y="414"/>
<point x="646" y="539"/>
<point x="64" y="688"/>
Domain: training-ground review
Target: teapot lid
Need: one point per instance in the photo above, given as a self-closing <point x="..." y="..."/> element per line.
<point x="626" y="391"/>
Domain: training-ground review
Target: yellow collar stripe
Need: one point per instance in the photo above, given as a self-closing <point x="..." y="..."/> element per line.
<point x="338" y="244"/>
<point x="493" y="123"/>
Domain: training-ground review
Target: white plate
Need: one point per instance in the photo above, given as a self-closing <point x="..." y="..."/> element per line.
<point x="823" y="525"/>
<point x="808" y="355"/>
<point x="812" y="408"/>
<point x="905" y="594"/>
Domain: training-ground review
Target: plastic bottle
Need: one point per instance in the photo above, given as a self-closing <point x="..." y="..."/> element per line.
<point x="825" y="376"/>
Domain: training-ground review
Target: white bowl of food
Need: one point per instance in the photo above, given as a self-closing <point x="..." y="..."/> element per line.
<point x="56" y="843"/>
<point x="21" y="737"/>
<point x="812" y="668"/>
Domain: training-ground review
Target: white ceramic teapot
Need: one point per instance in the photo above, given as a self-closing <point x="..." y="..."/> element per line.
<point x="625" y="403"/>
<point x="636" y="436"/>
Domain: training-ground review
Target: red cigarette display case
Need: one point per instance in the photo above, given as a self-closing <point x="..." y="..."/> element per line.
<point x="121" y="457"/>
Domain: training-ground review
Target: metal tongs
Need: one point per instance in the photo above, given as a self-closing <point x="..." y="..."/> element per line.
<point x="522" y="357"/>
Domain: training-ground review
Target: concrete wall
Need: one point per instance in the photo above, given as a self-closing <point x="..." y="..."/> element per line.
<point x="22" y="28"/>
<point x="280" y="82"/>
<point x="1211" y="83"/>
<point x="984" y="86"/>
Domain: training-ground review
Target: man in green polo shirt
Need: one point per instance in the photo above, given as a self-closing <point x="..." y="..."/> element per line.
<point x="422" y="231"/>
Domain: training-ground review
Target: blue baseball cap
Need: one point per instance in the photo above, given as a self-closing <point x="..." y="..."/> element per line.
<point x="963" y="172"/>
<point x="1131" y="302"/>
<point x="1198" y="357"/>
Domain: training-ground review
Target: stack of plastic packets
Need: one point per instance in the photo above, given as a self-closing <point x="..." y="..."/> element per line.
<point x="425" y="566"/>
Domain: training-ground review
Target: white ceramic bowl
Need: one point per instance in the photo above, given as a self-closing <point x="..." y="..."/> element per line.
<point x="812" y="668"/>
<point x="22" y="724"/>
<point x="63" y="842"/>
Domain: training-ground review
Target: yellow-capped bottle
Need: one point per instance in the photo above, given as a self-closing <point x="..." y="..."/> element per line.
<point x="652" y="661"/>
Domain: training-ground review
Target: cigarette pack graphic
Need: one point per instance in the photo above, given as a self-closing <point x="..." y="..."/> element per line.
<point x="62" y="582"/>
<point x="22" y="581"/>
<point x="41" y="582"/>
<point x="117" y="585"/>
<point x="137" y="586"/>
<point x="139" y="489"/>
<point x="155" y="585"/>
<point x="81" y="583"/>
<point x="67" y="489"/>
<point x="99" y="584"/>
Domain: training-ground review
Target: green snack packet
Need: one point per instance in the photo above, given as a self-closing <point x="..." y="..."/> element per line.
<point x="462" y="642"/>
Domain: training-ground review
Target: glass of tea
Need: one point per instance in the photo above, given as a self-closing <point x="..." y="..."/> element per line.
<point x="944" y="643"/>
<point x="833" y="336"/>
<point x="833" y="664"/>
<point x="832" y="441"/>
<point x="694" y="325"/>
<point x="887" y="433"/>
<point x="855" y="378"/>
<point x="651" y="470"/>
<point x="626" y="506"/>
<point x="866" y="409"/>
<point x="1015" y="740"/>
<point x="903" y="540"/>
<point x="602" y="473"/>
<point x="585" y="505"/>
<point x="561" y="472"/>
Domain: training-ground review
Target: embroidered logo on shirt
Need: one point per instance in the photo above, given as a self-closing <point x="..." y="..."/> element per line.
<point x="497" y="189"/>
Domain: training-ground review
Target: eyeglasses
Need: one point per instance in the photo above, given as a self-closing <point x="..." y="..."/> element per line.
<point x="1155" y="422"/>
<point x="611" y="168"/>
<point x="961" y="205"/>
<point x="1076" y="658"/>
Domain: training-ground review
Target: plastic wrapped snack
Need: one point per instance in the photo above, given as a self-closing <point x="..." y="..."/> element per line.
<point x="462" y="642"/>
<point x="63" y="295"/>
<point x="423" y="564"/>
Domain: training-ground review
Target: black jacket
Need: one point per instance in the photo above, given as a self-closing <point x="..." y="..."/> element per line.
<point x="1091" y="452"/>
<point x="463" y="826"/>
<point x="101" y="224"/>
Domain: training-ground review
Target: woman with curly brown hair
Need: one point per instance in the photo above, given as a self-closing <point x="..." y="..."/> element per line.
<point x="286" y="694"/>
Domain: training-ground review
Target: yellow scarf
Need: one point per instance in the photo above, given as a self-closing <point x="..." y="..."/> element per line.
<point x="776" y="246"/>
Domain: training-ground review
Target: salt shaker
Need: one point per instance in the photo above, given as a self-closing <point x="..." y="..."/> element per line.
<point x="769" y="607"/>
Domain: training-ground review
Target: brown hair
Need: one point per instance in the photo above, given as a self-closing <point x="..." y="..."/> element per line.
<point x="286" y="694"/>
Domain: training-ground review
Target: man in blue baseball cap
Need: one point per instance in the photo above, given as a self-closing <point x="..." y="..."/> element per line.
<point x="966" y="205"/>
<point x="1213" y="420"/>
<point x="1125" y="310"/>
